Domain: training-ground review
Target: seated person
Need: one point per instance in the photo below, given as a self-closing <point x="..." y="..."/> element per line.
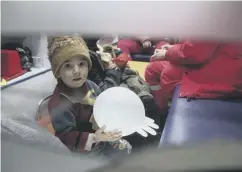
<point x="141" y="45"/>
<point x="91" y="42"/>
<point x="208" y="70"/>
<point x="71" y="105"/>
<point x="131" y="80"/>
<point x="163" y="77"/>
<point x="103" y="74"/>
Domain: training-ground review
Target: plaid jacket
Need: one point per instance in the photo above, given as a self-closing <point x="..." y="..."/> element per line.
<point x="71" y="122"/>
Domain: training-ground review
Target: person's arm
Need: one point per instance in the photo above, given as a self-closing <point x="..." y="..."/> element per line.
<point x="112" y="78"/>
<point x="191" y="53"/>
<point x="66" y="130"/>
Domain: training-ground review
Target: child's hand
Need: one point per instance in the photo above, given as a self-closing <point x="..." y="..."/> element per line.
<point x="159" y="54"/>
<point x="109" y="65"/>
<point x="101" y="136"/>
<point x="106" y="57"/>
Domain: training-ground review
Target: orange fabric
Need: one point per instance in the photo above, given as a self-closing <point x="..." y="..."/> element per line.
<point x="45" y="122"/>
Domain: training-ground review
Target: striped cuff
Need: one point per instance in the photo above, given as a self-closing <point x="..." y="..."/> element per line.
<point x="155" y="87"/>
<point x="89" y="143"/>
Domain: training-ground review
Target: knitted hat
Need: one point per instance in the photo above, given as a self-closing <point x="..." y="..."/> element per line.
<point x="63" y="48"/>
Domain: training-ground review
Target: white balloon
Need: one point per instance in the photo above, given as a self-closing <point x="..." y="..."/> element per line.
<point x="119" y="108"/>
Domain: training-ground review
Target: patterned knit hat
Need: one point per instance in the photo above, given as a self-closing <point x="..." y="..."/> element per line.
<point x="63" y="48"/>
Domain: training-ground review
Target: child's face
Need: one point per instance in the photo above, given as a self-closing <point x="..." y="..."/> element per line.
<point x="74" y="72"/>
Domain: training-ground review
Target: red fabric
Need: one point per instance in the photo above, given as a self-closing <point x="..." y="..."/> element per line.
<point x="70" y="139"/>
<point x="122" y="60"/>
<point x="54" y="99"/>
<point x="132" y="46"/>
<point x="220" y="76"/>
<point x="165" y="75"/>
<point x="10" y="65"/>
<point x="83" y="141"/>
<point x="129" y="46"/>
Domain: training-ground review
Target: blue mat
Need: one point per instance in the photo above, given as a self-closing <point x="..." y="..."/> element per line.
<point x="202" y="120"/>
<point x="141" y="57"/>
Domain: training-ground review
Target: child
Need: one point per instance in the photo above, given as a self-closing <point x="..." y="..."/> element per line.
<point x="131" y="80"/>
<point x="71" y="105"/>
<point x="104" y="75"/>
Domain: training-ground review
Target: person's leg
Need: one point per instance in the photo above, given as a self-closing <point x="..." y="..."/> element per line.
<point x="153" y="75"/>
<point x="170" y="78"/>
<point x="163" y="77"/>
<point x="129" y="46"/>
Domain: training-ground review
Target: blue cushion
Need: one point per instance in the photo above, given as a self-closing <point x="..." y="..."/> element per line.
<point x="141" y="57"/>
<point x="202" y="120"/>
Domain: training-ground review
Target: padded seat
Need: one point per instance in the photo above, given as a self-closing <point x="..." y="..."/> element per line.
<point x="202" y="120"/>
<point x="42" y="115"/>
<point x="141" y="57"/>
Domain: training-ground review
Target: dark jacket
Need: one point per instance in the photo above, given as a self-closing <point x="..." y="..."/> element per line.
<point x="104" y="78"/>
<point x="132" y="81"/>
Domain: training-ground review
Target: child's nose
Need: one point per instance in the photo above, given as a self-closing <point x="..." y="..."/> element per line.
<point x="76" y="70"/>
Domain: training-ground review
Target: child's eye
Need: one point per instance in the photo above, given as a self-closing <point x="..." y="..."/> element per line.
<point x="83" y="64"/>
<point x="68" y="66"/>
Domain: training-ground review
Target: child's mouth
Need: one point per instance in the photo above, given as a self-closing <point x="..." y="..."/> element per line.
<point x="77" y="79"/>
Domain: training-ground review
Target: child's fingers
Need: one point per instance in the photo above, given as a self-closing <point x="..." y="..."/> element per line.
<point x="101" y="130"/>
<point x="109" y="134"/>
<point x="112" y="139"/>
<point x="117" y="136"/>
<point x="153" y="57"/>
<point x="157" y="51"/>
<point x="114" y="134"/>
<point x="156" y="54"/>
